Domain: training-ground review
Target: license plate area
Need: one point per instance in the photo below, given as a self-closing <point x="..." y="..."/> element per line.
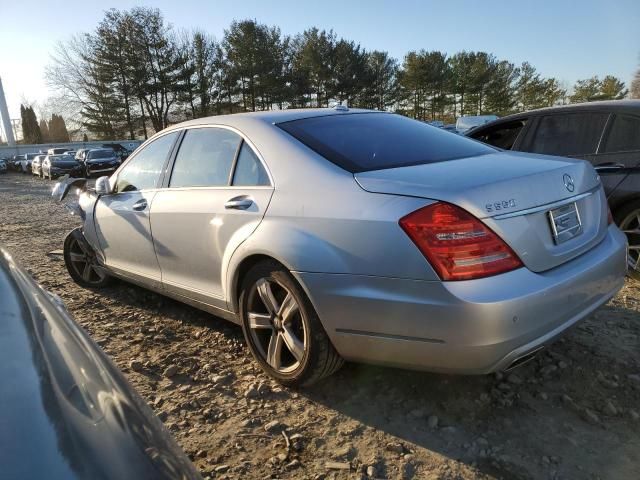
<point x="565" y="223"/>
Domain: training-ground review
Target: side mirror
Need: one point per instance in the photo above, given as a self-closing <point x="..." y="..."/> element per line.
<point x="103" y="187"/>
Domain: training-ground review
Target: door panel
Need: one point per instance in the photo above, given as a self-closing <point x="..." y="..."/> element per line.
<point x="122" y="218"/>
<point x="195" y="234"/>
<point x="124" y="233"/>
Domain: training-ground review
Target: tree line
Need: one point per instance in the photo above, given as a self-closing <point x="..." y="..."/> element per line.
<point x="135" y="74"/>
<point x="53" y="130"/>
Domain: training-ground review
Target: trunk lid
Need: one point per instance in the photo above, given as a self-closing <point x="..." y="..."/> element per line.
<point x="512" y="193"/>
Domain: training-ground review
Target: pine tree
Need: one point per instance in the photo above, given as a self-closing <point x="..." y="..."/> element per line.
<point x="44" y="130"/>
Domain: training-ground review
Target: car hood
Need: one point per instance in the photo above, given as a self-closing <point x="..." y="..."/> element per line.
<point x="67" y="412"/>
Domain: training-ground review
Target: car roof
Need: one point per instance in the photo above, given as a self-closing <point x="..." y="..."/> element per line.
<point x="603" y="106"/>
<point x="269" y="116"/>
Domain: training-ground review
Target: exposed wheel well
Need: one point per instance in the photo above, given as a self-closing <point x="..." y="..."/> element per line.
<point x="241" y="272"/>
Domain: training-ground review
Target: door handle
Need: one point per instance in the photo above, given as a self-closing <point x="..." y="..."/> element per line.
<point x="140" y="205"/>
<point x="238" y="203"/>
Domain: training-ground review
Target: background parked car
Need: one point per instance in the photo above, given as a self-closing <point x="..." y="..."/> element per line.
<point x="463" y="124"/>
<point x="100" y="161"/>
<point x="57" y="151"/>
<point x="607" y="134"/>
<point x="121" y="151"/>
<point x="3" y="166"/>
<point x="67" y="411"/>
<point x="55" y="166"/>
<point x="36" y="165"/>
<point x="25" y="161"/>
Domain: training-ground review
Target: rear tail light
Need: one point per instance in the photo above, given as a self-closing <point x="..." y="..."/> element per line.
<point x="456" y="244"/>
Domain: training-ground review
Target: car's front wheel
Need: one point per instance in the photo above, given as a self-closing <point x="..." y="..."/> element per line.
<point x="282" y="329"/>
<point x="628" y="219"/>
<point x="81" y="262"/>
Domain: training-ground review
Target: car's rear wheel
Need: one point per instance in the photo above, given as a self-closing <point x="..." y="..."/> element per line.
<point x="81" y="262"/>
<point x="282" y="328"/>
<point x="628" y="219"/>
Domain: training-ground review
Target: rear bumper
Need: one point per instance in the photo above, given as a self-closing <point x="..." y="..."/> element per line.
<point x="470" y="327"/>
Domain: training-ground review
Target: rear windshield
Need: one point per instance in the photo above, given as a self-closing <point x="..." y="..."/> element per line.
<point x="101" y="154"/>
<point x="360" y="142"/>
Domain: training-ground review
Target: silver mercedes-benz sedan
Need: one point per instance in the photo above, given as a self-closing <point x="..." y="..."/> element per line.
<point x="342" y="234"/>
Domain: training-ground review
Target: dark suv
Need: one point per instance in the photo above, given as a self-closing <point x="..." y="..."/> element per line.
<point x="607" y="134"/>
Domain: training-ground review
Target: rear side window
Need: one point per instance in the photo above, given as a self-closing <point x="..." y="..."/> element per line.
<point x="143" y="171"/>
<point x="571" y="134"/>
<point x="361" y="142"/>
<point x="205" y="158"/>
<point x="501" y="136"/>
<point x="249" y="170"/>
<point x="624" y="135"/>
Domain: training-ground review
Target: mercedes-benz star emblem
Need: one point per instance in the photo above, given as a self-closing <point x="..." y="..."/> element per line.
<point x="568" y="182"/>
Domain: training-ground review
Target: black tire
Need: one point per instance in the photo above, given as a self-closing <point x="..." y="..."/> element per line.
<point x="74" y="245"/>
<point x="320" y="358"/>
<point x="627" y="218"/>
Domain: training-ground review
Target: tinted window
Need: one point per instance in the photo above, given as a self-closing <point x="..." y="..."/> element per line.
<point x="249" y="170"/>
<point x="205" y="158"/>
<point x="624" y="135"/>
<point x="501" y="136"/>
<point x="572" y="134"/>
<point x="374" y="141"/>
<point x="143" y="170"/>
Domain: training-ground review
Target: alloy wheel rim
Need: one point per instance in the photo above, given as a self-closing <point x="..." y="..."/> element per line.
<point x="630" y="226"/>
<point x="276" y="325"/>
<point x="84" y="263"/>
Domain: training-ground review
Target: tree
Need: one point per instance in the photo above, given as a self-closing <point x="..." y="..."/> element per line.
<point x="312" y="64"/>
<point x="381" y="90"/>
<point x="58" y="129"/>
<point x="31" y="133"/>
<point x="500" y="94"/>
<point x="635" y="86"/>
<point x="586" y="90"/>
<point x="461" y="79"/>
<point x="44" y="129"/>
<point x="612" y="88"/>
<point x="349" y="75"/>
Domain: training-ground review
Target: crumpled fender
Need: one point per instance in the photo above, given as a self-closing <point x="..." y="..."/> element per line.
<point x="64" y="186"/>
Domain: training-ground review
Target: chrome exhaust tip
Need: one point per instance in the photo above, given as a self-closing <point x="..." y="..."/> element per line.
<point x="526" y="358"/>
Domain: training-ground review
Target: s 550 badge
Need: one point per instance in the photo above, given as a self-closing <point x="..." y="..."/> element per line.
<point x="502" y="205"/>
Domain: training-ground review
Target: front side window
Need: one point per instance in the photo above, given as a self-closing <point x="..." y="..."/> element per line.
<point x="143" y="171"/>
<point x="501" y="136"/>
<point x="249" y="170"/>
<point x="624" y="135"/>
<point x="361" y="142"/>
<point x="205" y="158"/>
<point x="570" y="134"/>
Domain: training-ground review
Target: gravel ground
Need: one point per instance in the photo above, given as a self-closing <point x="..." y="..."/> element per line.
<point x="571" y="413"/>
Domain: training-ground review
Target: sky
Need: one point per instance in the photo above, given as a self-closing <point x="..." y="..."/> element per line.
<point x="565" y="39"/>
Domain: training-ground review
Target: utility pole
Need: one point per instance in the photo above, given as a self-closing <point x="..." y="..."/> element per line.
<point x="4" y="116"/>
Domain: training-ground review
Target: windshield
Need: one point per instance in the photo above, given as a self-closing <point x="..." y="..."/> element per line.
<point x="374" y="141"/>
<point x="101" y="154"/>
